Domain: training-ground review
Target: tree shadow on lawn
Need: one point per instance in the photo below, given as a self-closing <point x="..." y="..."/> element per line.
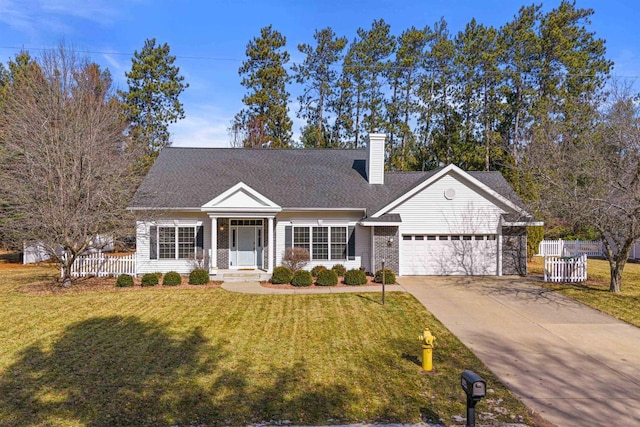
<point x="123" y="371"/>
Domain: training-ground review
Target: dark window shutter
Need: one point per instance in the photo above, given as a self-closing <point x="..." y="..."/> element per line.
<point x="351" y="245"/>
<point x="153" y="242"/>
<point x="288" y="238"/>
<point x="199" y="241"/>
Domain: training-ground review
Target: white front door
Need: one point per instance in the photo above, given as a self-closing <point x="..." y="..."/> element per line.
<point x="246" y="247"/>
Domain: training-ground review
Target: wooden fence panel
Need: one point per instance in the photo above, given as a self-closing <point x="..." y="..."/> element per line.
<point x="565" y="270"/>
<point x="102" y="265"/>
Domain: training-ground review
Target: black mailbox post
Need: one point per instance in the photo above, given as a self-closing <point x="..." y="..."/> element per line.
<point x="475" y="388"/>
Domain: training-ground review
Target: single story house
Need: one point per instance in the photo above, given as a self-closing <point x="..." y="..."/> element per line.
<point x="239" y="209"/>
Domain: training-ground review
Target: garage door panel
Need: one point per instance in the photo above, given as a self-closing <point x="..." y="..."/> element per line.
<point x="449" y="257"/>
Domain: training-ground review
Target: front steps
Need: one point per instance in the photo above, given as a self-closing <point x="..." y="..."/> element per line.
<point x="240" y="276"/>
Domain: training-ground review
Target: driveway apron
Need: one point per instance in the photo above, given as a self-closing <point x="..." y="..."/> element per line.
<point x="571" y="364"/>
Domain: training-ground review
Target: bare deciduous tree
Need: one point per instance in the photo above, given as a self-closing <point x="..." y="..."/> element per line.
<point x="66" y="170"/>
<point x="593" y="179"/>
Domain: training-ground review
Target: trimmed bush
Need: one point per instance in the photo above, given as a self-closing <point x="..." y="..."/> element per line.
<point x="149" y="279"/>
<point x="327" y="278"/>
<point x="124" y="281"/>
<point x="302" y="278"/>
<point x="355" y="277"/>
<point x="281" y="275"/>
<point x="339" y="269"/>
<point x="389" y="277"/>
<point x="172" y="279"/>
<point x="317" y="269"/>
<point x="199" y="276"/>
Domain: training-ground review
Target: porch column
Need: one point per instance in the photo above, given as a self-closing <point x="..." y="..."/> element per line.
<point x="272" y="242"/>
<point x="213" y="257"/>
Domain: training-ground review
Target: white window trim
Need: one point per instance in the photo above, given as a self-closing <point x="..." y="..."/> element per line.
<point x="328" y="243"/>
<point x="176" y="246"/>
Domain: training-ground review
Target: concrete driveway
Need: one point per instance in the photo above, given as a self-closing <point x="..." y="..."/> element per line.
<point x="571" y="364"/>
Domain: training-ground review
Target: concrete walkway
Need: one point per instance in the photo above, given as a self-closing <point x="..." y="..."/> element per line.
<point x="573" y="365"/>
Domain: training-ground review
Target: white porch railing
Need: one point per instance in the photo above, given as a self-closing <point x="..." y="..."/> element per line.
<point x="102" y="265"/>
<point x="571" y="270"/>
<point x="592" y="248"/>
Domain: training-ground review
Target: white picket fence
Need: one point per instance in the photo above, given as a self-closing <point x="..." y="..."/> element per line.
<point x="102" y="265"/>
<point x="565" y="248"/>
<point x="565" y="269"/>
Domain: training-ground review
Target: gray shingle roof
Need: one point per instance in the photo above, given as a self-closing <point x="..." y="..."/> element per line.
<point x="299" y="178"/>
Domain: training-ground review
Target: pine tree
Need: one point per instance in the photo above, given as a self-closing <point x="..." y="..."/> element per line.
<point x="519" y="52"/>
<point x="405" y="76"/>
<point x="319" y="77"/>
<point x="366" y="66"/>
<point x="478" y="73"/>
<point x="437" y="120"/>
<point x="265" y="118"/>
<point x="152" y="103"/>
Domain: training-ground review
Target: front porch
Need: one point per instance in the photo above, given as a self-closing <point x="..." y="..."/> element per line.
<point x="242" y="236"/>
<point x="242" y="245"/>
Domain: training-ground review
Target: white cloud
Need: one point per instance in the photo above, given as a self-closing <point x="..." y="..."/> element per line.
<point x="204" y="126"/>
<point x="37" y="17"/>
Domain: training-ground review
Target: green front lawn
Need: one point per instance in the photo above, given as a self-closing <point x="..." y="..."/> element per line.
<point x="595" y="292"/>
<point x="166" y="356"/>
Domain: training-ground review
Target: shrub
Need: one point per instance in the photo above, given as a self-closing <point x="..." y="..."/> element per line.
<point x="149" y="279"/>
<point x="295" y="258"/>
<point x="281" y="275"/>
<point x="158" y="275"/>
<point x="355" y="277"/>
<point x="389" y="277"/>
<point x="172" y="279"/>
<point x="124" y="281"/>
<point x="199" y="276"/>
<point x="302" y="278"/>
<point x="339" y="269"/>
<point x="317" y="269"/>
<point x="327" y="278"/>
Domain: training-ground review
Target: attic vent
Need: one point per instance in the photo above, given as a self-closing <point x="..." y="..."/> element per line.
<point x="449" y="193"/>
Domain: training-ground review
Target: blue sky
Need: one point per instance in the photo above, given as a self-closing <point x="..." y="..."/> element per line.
<point x="209" y="38"/>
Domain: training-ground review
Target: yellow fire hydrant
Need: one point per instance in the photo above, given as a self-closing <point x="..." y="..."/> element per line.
<point x="427" y="349"/>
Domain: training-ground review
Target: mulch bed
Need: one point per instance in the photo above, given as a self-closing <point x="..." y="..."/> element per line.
<point x="339" y="285"/>
<point x="100" y="284"/>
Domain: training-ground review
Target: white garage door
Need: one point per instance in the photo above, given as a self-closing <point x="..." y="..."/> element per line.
<point x="448" y="255"/>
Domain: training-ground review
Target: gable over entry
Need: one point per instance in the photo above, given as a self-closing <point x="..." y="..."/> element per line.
<point x="246" y="209"/>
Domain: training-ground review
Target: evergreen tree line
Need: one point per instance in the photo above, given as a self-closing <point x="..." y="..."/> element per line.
<point x="477" y="98"/>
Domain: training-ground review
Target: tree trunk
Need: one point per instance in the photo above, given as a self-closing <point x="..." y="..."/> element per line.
<point x="319" y="137"/>
<point x="615" y="285"/>
<point x="617" y="261"/>
<point x="66" y="274"/>
<point x="357" y="128"/>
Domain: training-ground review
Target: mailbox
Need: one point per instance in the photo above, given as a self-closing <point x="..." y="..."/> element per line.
<point x="473" y="385"/>
<point x="476" y="388"/>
